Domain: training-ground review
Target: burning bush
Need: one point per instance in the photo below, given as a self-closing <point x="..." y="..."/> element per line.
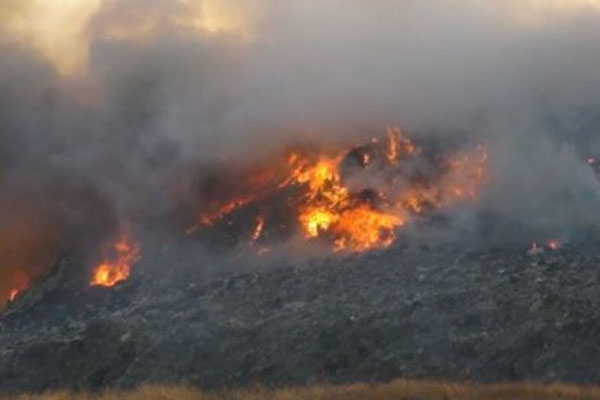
<point x="354" y="199"/>
<point x="43" y="222"/>
<point x="118" y="261"/>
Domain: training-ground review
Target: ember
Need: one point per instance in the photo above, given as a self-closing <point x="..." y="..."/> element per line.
<point x="330" y="207"/>
<point x="554" y="244"/>
<point x="260" y="224"/>
<point x="13" y="294"/>
<point x="117" y="267"/>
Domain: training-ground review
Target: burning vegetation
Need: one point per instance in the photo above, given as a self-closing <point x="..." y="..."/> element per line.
<point x="117" y="264"/>
<point x="351" y="199"/>
<point x="27" y="249"/>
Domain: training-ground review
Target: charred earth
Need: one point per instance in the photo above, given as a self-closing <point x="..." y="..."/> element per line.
<point x="335" y="266"/>
<point x="406" y="311"/>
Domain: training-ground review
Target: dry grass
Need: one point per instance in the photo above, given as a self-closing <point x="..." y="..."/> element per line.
<point x="397" y="390"/>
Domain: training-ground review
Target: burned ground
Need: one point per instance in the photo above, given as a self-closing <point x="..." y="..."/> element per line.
<point x="408" y="311"/>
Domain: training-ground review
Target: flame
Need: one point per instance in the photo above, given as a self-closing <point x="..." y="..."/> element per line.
<point x="554" y="244"/>
<point x="327" y="208"/>
<point x="366" y="159"/>
<point x="392" y="151"/>
<point x="317" y="220"/>
<point x="13" y="294"/>
<point x="209" y="219"/>
<point x="117" y="267"/>
<point x="466" y="173"/>
<point x="257" y="234"/>
<point x="20" y="283"/>
<point x="258" y="230"/>
<point x="398" y="144"/>
<point x="363" y="228"/>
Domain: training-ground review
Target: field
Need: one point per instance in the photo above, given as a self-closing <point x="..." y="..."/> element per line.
<point x="396" y="390"/>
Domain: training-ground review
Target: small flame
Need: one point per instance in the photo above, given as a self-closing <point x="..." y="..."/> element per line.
<point x="366" y="159"/>
<point x="398" y="144"/>
<point x="554" y="244"/>
<point x="117" y="268"/>
<point x="392" y="151"/>
<point x="591" y="160"/>
<point x="13" y="294"/>
<point x="210" y="219"/>
<point x="20" y="283"/>
<point x="258" y="230"/>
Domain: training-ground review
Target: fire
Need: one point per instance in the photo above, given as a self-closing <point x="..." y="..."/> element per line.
<point x="257" y="234"/>
<point x="209" y="219"/>
<point x="327" y="206"/>
<point x="316" y="221"/>
<point x="328" y="209"/>
<point x="363" y="228"/>
<point x="398" y="144"/>
<point x="554" y="244"/>
<point x="13" y="294"/>
<point x="258" y="230"/>
<point x="392" y="151"/>
<point x="117" y="267"/>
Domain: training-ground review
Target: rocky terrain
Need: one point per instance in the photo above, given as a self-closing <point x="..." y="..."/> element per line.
<point x="408" y="311"/>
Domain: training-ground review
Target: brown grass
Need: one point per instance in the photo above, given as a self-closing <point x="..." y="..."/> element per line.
<point x="397" y="390"/>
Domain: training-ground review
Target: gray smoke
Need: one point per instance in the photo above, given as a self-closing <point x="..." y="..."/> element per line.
<point x="150" y="104"/>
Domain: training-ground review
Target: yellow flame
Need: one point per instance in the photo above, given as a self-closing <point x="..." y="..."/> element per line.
<point x="317" y="220"/>
<point x="117" y="268"/>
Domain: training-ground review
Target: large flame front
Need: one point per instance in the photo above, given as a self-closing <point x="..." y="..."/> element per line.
<point x="117" y="267"/>
<point x="354" y="199"/>
<point x="328" y="208"/>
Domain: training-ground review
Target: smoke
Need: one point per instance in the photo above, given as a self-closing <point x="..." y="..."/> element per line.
<point x="122" y="96"/>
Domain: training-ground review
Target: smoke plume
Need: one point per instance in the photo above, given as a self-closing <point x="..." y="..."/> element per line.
<point x="122" y="97"/>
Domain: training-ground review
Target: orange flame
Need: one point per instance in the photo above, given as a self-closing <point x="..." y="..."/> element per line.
<point x="392" y="151"/>
<point x="257" y="234"/>
<point x="327" y="208"/>
<point x="554" y="244"/>
<point x="363" y="228"/>
<point x="117" y="268"/>
<point x="13" y="294"/>
<point x="258" y="230"/>
<point x="317" y="220"/>
<point x="209" y="219"/>
<point x="398" y="144"/>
